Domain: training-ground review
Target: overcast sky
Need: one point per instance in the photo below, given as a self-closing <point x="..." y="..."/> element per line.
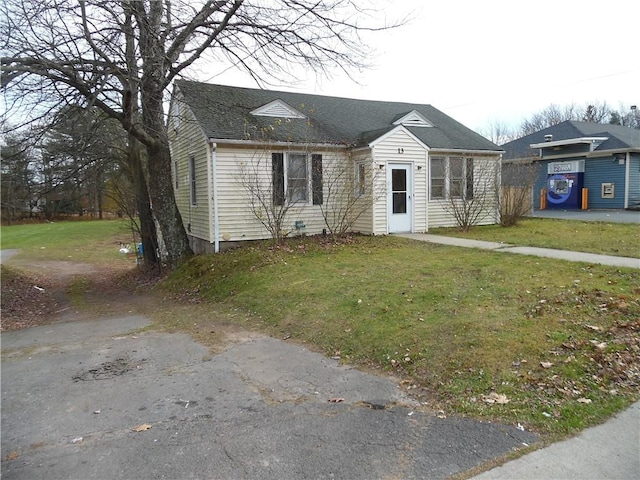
<point x="495" y="60"/>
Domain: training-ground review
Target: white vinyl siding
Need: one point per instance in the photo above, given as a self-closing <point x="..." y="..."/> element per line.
<point x="400" y="147"/>
<point x="188" y="141"/>
<point x="237" y="222"/>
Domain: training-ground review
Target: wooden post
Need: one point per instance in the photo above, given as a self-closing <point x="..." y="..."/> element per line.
<point x="585" y="198"/>
<point x="543" y="199"/>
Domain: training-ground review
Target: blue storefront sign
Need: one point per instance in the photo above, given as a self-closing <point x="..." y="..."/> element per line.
<point x="564" y="184"/>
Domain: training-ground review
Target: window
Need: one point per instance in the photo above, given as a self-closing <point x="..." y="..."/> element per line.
<point x="451" y="177"/>
<point x="192" y="178"/>
<point x="361" y="188"/>
<point x="175" y="173"/>
<point x="438" y="177"/>
<point x="294" y="175"/>
<point x="297" y="178"/>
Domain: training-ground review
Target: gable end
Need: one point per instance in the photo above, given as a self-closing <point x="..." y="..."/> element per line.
<point x="277" y="108"/>
<point x="413" y="119"/>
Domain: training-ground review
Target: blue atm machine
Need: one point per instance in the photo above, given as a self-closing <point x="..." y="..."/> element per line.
<point x="564" y="184"/>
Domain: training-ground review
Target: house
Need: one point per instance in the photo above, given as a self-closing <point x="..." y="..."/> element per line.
<point x="237" y="152"/>
<point x="581" y="165"/>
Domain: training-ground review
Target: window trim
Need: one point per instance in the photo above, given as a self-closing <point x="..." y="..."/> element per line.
<point x="193" y="192"/>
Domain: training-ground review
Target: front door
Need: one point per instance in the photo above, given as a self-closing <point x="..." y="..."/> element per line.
<point x="399" y="197"/>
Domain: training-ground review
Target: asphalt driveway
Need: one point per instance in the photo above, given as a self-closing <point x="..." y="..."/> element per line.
<point x="102" y="399"/>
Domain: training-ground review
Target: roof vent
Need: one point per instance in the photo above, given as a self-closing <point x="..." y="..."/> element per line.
<point x="548" y="138"/>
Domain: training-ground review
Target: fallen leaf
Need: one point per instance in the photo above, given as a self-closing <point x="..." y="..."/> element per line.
<point x="141" y="428"/>
<point x="546" y="364"/>
<point x="12" y="456"/>
<point x="336" y="400"/>
<point x="584" y="400"/>
<point x="499" y="398"/>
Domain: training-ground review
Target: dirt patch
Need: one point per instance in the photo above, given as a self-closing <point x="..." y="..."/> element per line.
<point x="107" y="370"/>
<point x="37" y="292"/>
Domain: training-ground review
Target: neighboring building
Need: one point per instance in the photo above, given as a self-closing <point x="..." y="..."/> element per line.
<point x="572" y="156"/>
<point x="415" y="156"/>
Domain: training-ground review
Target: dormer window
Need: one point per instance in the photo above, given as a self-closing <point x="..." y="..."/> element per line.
<point x="413" y="119"/>
<point x="277" y="108"/>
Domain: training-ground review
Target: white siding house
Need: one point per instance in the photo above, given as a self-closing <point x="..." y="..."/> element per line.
<point x="237" y="152"/>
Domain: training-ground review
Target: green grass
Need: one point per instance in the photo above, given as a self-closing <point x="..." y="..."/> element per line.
<point x="594" y="237"/>
<point x="459" y="323"/>
<point x="94" y="241"/>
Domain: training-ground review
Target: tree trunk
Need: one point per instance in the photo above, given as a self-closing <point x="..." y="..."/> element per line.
<point x="148" y="236"/>
<point x="164" y="206"/>
<point x="163" y="203"/>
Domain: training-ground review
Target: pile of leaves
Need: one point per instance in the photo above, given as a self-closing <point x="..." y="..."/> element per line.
<point x="28" y="300"/>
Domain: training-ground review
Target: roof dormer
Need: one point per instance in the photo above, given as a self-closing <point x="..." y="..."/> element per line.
<point x="277" y="108"/>
<point x="413" y="119"/>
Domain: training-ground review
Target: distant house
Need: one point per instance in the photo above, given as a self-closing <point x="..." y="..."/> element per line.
<point x="414" y="156"/>
<point x="572" y="156"/>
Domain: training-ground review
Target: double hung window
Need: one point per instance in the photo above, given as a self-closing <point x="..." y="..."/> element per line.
<point x="451" y="177"/>
<point x="296" y="178"/>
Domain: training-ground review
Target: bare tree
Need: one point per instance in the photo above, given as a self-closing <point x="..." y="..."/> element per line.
<point x="471" y="187"/>
<point x="63" y="50"/>
<point x="594" y="112"/>
<point x="516" y="195"/>
<point x="350" y="190"/>
<point x="627" y="116"/>
<point x="268" y="201"/>
<point x="498" y="132"/>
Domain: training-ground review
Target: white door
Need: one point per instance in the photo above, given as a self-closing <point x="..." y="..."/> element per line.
<point x="399" y="197"/>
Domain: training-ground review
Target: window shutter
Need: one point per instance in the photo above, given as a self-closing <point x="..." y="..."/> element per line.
<point x="316" y="178"/>
<point x="277" y="175"/>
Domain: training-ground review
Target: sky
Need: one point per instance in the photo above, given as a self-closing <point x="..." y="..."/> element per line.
<point x="489" y="61"/>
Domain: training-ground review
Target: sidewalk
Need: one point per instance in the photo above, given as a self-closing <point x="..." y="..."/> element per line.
<point x="626" y="262"/>
<point x="608" y="451"/>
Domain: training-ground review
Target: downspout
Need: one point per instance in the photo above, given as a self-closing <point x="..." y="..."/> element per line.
<point x="427" y="169"/>
<point x="626" y="180"/>
<point x="214" y="232"/>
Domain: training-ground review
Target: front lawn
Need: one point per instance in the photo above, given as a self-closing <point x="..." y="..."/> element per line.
<point x="91" y="241"/>
<point x="617" y="239"/>
<point x="554" y="346"/>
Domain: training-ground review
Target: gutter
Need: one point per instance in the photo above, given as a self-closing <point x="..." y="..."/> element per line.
<point x="464" y="151"/>
<point x="214" y="230"/>
<point x="250" y="143"/>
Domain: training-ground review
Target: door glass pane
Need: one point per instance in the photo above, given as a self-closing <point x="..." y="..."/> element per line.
<point x="399" y="202"/>
<point x="398" y="180"/>
<point x="399" y="190"/>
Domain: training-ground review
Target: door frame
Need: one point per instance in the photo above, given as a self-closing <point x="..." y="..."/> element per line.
<point x="408" y="167"/>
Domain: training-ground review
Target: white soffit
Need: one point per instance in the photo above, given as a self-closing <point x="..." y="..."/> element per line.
<point x="277" y="108"/>
<point x="413" y="119"/>
<point x="569" y="141"/>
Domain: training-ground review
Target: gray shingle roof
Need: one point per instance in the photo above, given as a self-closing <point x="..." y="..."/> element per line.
<point x="619" y="137"/>
<point x="224" y="113"/>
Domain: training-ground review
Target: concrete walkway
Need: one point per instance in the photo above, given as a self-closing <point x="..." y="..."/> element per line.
<point x="608" y="451"/>
<point x="609" y="260"/>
